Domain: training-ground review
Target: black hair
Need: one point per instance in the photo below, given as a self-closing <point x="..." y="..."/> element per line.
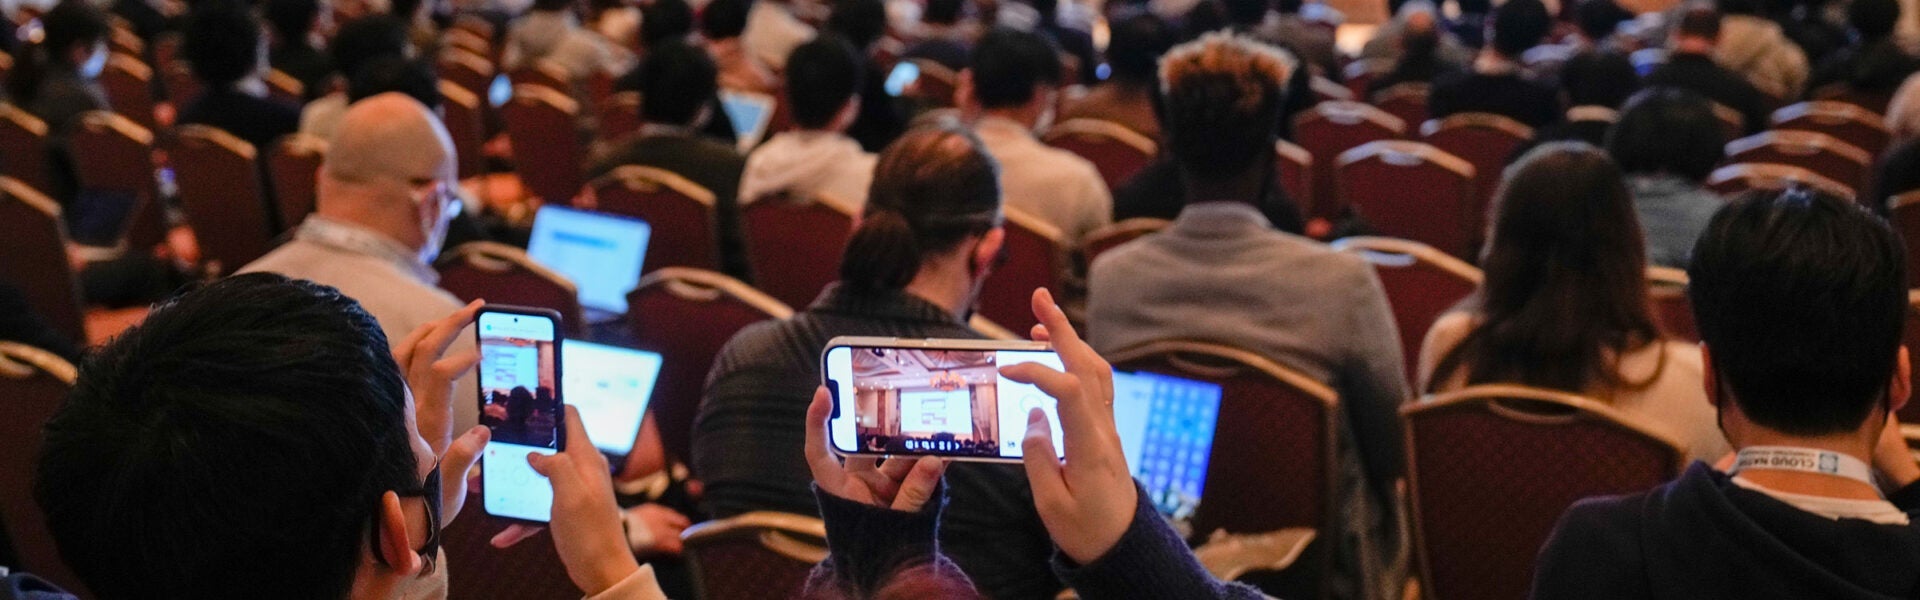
<point x="1008" y="64"/>
<point x="1598" y="19"/>
<point x="1599" y="79"/>
<point x="662" y="20"/>
<point x="239" y="438"/>
<point x="1667" y="130"/>
<point x="547" y="5"/>
<point x="1897" y="173"/>
<point x="1741" y="7"/>
<point x="676" y="81"/>
<point x="862" y="22"/>
<point x="1288" y="7"/>
<point x="932" y="189"/>
<point x="1136" y="46"/>
<point x="222" y="42"/>
<point x="943" y="12"/>
<point x="1468" y="7"/>
<point x="292" y="19"/>
<point x="1873" y="19"/>
<point x="1519" y="25"/>
<point x="1247" y="13"/>
<point x="1700" y="20"/>
<point x="822" y="75"/>
<point x="396" y="74"/>
<point x="724" y="19"/>
<point x="69" y="23"/>
<point x="1801" y="298"/>
<point x="1221" y="118"/>
<point x="364" y="39"/>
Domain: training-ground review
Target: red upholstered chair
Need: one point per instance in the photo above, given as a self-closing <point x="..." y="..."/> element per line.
<point x="285" y="88"/>
<point x="1359" y="74"/>
<point x="1036" y="257"/>
<point x="504" y="274"/>
<point x="35" y="258"/>
<point x="620" y="116"/>
<point x="1732" y="180"/>
<point x="128" y="84"/>
<point x="1296" y="171"/>
<point x="935" y="86"/>
<point x="1851" y="124"/>
<point x="1845" y="93"/>
<point x="182" y="87"/>
<point x="1732" y="122"/>
<point x="794" y="244"/>
<point x="113" y="154"/>
<point x="1421" y="284"/>
<point x="460" y="111"/>
<point x="1904" y="211"/>
<point x="1667" y="293"/>
<point x="467" y="40"/>
<point x="1118" y="234"/>
<point x="294" y="167"/>
<point x="1330" y="128"/>
<point x="1485" y="141"/>
<point x="1408" y="101"/>
<point x="754" y="555"/>
<point x="1413" y="191"/>
<point x="546" y="147"/>
<point x="121" y="39"/>
<point x="221" y="192"/>
<point x="33" y="384"/>
<point x="1911" y="412"/>
<point x="680" y="211"/>
<point x="1818" y="152"/>
<point x="544" y="73"/>
<point x="478" y="571"/>
<point x="1327" y="90"/>
<point x="472" y="72"/>
<point x="1117" y="152"/>
<point x="687" y="315"/>
<point x="1491" y="468"/>
<point x="23" y="148"/>
<point x="1590" y="113"/>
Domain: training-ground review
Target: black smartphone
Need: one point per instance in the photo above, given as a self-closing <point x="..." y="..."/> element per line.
<point x="520" y="401"/>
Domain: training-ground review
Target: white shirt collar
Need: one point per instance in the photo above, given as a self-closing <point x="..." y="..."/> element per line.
<point x="354" y="239"/>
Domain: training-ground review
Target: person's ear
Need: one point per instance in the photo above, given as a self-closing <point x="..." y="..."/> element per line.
<point x="988" y="249"/>
<point x="396" y="544"/>
<point x="1900" y="390"/>
<point x="1708" y="378"/>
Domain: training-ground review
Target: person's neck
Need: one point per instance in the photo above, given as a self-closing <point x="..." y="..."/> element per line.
<point x="387" y="226"/>
<point x="1857" y="444"/>
<point x="1020" y="115"/>
<point x="944" y="285"/>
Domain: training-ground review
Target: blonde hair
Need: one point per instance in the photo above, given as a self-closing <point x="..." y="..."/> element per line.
<point x="1252" y="64"/>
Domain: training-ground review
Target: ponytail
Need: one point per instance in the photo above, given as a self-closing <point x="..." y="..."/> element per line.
<point x="932" y="189"/>
<point x="883" y="254"/>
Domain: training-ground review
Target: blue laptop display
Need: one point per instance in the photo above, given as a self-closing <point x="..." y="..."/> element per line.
<point x="1166" y="431"/>
<point x="611" y="387"/>
<point x="601" y="253"/>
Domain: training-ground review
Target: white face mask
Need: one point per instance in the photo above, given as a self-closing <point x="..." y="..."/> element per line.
<point x="435" y="227"/>
<point x="95" y="63"/>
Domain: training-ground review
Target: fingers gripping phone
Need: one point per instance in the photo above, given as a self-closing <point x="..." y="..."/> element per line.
<point x="520" y="401"/>
<point x="945" y="398"/>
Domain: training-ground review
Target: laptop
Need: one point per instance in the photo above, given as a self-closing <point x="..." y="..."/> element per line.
<point x="611" y="387"/>
<point x="750" y="113"/>
<point x="601" y="253"/>
<point x="1166" y="431"/>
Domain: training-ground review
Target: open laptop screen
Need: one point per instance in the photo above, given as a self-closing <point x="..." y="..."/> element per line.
<point x="1166" y="431"/>
<point x="601" y="253"/>
<point x="610" y="386"/>
<point x="750" y="113"/>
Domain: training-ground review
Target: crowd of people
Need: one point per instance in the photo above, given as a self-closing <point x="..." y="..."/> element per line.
<point x="304" y="427"/>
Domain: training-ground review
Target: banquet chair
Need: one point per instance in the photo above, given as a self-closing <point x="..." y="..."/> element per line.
<point x="23" y="148"/>
<point x="460" y="112"/>
<point x="1117" y="152"/>
<point x="1421" y="283"/>
<point x="1295" y="166"/>
<point x="1667" y="296"/>
<point x="546" y="148"/>
<point x="754" y="555"/>
<point x="506" y="275"/>
<point x="1864" y="129"/>
<point x="114" y="155"/>
<point x="1486" y="141"/>
<point x="33" y="385"/>
<point x="478" y="571"/>
<point x="221" y="192"/>
<point x="1036" y="257"/>
<point x="1115" y="235"/>
<point x="294" y="167"/>
<point x="1733" y="180"/>
<point x="1329" y="129"/>
<point x="1818" y="152"/>
<point x="1910" y="414"/>
<point x="1903" y="211"/>
<point x="36" y="258"/>
<point x="128" y="85"/>
<point x="680" y="211"/>
<point x="1408" y="101"/>
<point x="687" y="316"/>
<point x="1412" y="190"/>
<point x="794" y="244"/>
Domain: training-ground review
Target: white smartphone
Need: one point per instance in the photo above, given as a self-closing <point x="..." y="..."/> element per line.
<point x="931" y="397"/>
<point x="520" y="400"/>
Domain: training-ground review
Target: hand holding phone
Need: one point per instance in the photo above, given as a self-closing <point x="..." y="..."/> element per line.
<point x="903" y="484"/>
<point x="520" y="401"/>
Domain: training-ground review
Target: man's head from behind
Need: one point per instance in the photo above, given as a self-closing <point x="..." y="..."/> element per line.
<point x="391" y="168"/>
<point x="1223" y="98"/>
<point x="1800" y="298"/>
<point x="1012" y="71"/>
<point x="224" y="43"/>
<point x="1699" y="29"/>
<point x="823" y="77"/>
<point x="242" y="438"/>
<point x="677" y="82"/>
<point x="1518" y="26"/>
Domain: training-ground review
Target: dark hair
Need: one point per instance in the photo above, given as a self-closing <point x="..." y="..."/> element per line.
<point x="662" y="20"/>
<point x="238" y="439"/>
<point x="933" y="188"/>
<point x="292" y="19"/>
<point x="396" y="74"/>
<point x="546" y="5"/>
<point x="1599" y="18"/>
<point x="1288" y="7"/>
<point x="943" y="12"/>
<point x="69" y="23"/>
<point x="1519" y="25"/>
<point x="1565" y="290"/>
<point x="1700" y="20"/>
<point x="1741" y="7"/>
<point x="1667" y="130"/>
<point x="676" y="81"/>
<point x="1007" y="64"/>
<point x="1470" y="7"/>
<point x="222" y="42"/>
<point x="862" y="22"/>
<point x="1897" y="173"/>
<point x="822" y="75"/>
<point x="1247" y="13"/>
<point x="724" y="19"/>
<point x="1801" y="297"/>
<point x="364" y="39"/>
<point x="1599" y="79"/>
<point x="1223" y="96"/>
<point x="1136" y="46"/>
<point x="1873" y="19"/>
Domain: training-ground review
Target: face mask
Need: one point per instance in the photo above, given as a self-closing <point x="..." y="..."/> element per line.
<point x="429" y="587"/>
<point x="435" y="226"/>
<point x="96" y="62"/>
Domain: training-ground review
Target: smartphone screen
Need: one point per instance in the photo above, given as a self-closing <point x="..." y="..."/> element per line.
<point x="903" y="75"/>
<point x="520" y="401"/>
<point x="948" y="402"/>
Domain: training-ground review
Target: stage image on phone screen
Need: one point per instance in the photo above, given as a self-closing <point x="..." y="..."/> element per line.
<point x="520" y="401"/>
<point x="935" y="401"/>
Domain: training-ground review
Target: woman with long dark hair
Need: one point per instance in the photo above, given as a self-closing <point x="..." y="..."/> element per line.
<point x="1564" y="303"/>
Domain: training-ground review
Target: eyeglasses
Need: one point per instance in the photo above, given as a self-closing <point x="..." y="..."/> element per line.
<point x="450" y="204"/>
<point x="429" y="490"/>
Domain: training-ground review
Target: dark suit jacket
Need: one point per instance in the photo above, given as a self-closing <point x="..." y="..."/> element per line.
<point x="1511" y="95"/>
<point x="259" y="121"/>
<point x="711" y="164"/>
<point x="1699" y="73"/>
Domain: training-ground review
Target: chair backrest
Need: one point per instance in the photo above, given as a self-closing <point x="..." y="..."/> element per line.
<point x="1117" y="152"/>
<point x="506" y="275"/>
<point x="620" y="116"/>
<point x="36" y="257"/>
<point x="1732" y="180"/>
<point x="122" y="39"/>
<point x="1412" y="190"/>
<point x="1733" y="123"/>
<point x="754" y="555"/>
<point x="1667" y="293"/>
<point x="1904" y="211"/>
<point x="285" y="88"/>
<point x="1854" y="125"/>
<point x="1484" y="140"/>
<point x="1491" y="468"/>
<point x="128" y="84"/>
<point x="1810" y="150"/>
<point x="113" y="154"/>
<point x="935" y="86"/>
<point x="1845" y="93"/>
<point x="23" y="148"/>
<point x="547" y="151"/>
<point x="687" y="315"/>
<point x="478" y="571"/>
<point x="1036" y="257"/>
<point x="1592" y="113"/>
<point x="544" y="73"/>
<point x="1408" y="101"/>
<point x="680" y="211"/>
<point x="220" y="190"/>
<point x="470" y="71"/>
<point x="1330" y="128"/>
<point x="182" y="87"/>
<point x="1267" y="410"/>
<point x="794" y="244"/>
<point x="468" y="41"/>
<point x="294" y="167"/>
<point x="1118" y="234"/>
<point x="1296" y="172"/>
<point x="460" y="111"/>
<point x="1327" y="90"/>
<point x="33" y="384"/>
<point x="1359" y="74"/>
<point x="1421" y="284"/>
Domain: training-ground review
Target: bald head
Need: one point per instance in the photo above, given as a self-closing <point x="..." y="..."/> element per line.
<point x="387" y="149"/>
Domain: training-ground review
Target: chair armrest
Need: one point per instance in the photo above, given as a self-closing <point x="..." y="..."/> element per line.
<point x="1229" y="555"/>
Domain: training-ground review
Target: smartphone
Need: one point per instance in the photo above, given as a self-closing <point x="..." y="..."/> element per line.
<point x="930" y="397"/>
<point x="520" y="401"/>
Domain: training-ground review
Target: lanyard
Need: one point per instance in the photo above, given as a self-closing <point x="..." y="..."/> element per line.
<point x="1805" y="460"/>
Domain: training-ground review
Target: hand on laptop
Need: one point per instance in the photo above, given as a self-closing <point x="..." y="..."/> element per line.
<point x="900" y="484"/>
<point x="1088" y="500"/>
